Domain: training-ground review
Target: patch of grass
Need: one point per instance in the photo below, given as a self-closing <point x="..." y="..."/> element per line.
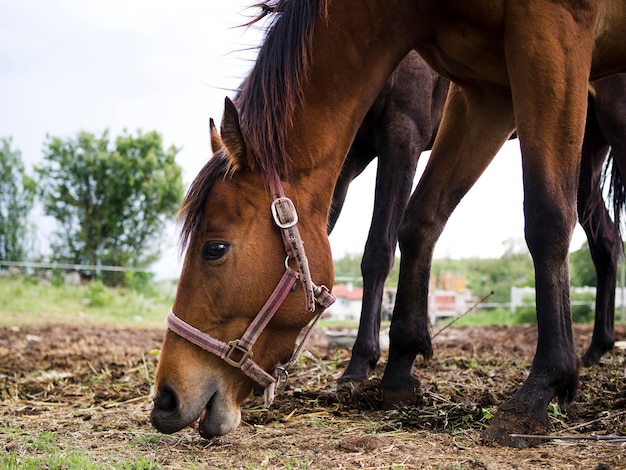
<point x="12" y="460"/>
<point x="486" y="317"/>
<point x="25" y="301"/>
<point x="41" y="450"/>
<point x="330" y="323"/>
<point x="496" y="316"/>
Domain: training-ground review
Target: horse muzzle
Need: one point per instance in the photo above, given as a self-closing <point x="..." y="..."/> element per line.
<point x="215" y="414"/>
<point x="218" y="417"/>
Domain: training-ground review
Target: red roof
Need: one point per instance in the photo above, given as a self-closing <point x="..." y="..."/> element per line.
<point x="347" y="291"/>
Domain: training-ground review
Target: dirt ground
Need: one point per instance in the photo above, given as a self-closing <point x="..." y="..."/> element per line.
<point x="90" y="389"/>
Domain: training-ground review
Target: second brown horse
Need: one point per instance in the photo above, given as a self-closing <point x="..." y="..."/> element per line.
<point x="403" y="123"/>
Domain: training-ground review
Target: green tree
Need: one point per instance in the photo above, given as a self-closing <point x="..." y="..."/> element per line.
<point x="110" y="201"/>
<point x="349" y="266"/>
<point x="582" y="270"/>
<point x="17" y="192"/>
<point x="513" y="268"/>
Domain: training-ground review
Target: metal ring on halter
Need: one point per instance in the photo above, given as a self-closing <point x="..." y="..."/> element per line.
<point x="295" y="284"/>
<point x="282" y="376"/>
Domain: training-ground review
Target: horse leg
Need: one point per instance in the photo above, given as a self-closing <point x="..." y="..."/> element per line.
<point x="360" y="155"/>
<point x="399" y="151"/>
<point x="602" y="235"/>
<point x="549" y="93"/>
<point x="609" y="113"/>
<point x="366" y="349"/>
<point x="402" y="124"/>
<point x="474" y="127"/>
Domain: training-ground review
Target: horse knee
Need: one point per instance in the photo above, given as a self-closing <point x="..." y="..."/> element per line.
<point x="548" y="234"/>
<point x="416" y="234"/>
<point x="378" y="257"/>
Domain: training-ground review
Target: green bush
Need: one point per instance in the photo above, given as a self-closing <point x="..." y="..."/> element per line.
<point x="583" y="313"/>
<point x="525" y="315"/>
<point x="98" y="295"/>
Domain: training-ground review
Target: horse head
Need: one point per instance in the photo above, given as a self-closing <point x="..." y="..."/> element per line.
<point x="234" y="258"/>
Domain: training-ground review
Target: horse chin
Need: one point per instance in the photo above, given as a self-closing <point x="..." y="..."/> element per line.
<point x="218" y="417"/>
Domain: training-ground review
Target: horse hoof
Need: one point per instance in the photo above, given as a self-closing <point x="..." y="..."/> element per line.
<point x="593" y="356"/>
<point x="512" y="429"/>
<point x="400" y="397"/>
<point x="357" y="372"/>
<point x="352" y="378"/>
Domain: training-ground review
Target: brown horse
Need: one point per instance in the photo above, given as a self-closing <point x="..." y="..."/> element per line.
<point x="401" y="124"/>
<point x="523" y="65"/>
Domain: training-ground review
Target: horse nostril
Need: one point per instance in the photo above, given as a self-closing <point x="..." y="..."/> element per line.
<point x="166" y="399"/>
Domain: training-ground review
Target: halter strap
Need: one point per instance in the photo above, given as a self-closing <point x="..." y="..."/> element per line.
<point x="286" y="218"/>
<point x="238" y="353"/>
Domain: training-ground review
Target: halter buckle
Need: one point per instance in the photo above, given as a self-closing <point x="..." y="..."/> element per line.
<point x="287" y="209"/>
<point x="232" y="347"/>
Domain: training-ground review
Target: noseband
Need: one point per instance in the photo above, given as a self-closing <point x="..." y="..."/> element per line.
<point x="238" y="353"/>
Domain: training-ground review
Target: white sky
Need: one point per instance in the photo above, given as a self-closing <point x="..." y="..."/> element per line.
<point x="71" y="65"/>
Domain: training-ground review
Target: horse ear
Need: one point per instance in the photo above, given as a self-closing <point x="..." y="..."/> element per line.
<point x="232" y="138"/>
<point x="216" y="140"/>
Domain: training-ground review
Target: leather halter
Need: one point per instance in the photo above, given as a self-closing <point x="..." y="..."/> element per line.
<point x="238" y="353"/>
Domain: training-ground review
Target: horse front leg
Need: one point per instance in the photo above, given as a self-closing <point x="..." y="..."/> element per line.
<point x="473" y="129"/>
<point x="402" y="124"/>
<point x="360" y="155"/>
<point x="366" y="349"/>
<point x="399" y="151"/>
<point x="549" y="79"/>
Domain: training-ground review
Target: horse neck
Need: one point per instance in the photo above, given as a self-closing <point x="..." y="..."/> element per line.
<point x="354" y="51"/>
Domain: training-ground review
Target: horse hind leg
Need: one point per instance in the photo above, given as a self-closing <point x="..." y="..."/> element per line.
<point x="603" y="238"/>
<point x="607" y="127"/>
<point x="605" y="251"/>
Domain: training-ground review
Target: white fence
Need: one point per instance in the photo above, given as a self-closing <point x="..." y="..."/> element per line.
<point x="525" y="296"/>
<point x="34" y="265"/>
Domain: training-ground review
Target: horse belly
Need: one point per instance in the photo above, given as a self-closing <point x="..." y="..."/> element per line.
<point x="467" y="44"/>
<point x="484" y="14"/>
<point x="464" y="53"/>
<point x="609" y="55"/>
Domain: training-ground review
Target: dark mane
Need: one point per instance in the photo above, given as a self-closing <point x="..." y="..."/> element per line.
<point x="270" y="93"/>
<point x="266" y="100"/>
<point x="192" y="209"/>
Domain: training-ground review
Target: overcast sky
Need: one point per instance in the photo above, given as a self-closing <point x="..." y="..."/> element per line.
<point x="71" y="65"/>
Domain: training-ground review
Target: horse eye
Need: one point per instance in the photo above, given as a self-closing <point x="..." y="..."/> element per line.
<point x="214" y="250"/>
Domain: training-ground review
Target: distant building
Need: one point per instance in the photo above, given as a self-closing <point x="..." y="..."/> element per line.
<point x="348" y="304"/>
<point x="448" y="297"/>
<point x="447" y="304"/>
<point x="525" y="296"/>
<point x="449" y="281"/>
<point x="441" y="303"/>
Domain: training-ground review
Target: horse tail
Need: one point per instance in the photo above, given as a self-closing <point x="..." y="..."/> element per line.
<point x="616" y="192"/>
